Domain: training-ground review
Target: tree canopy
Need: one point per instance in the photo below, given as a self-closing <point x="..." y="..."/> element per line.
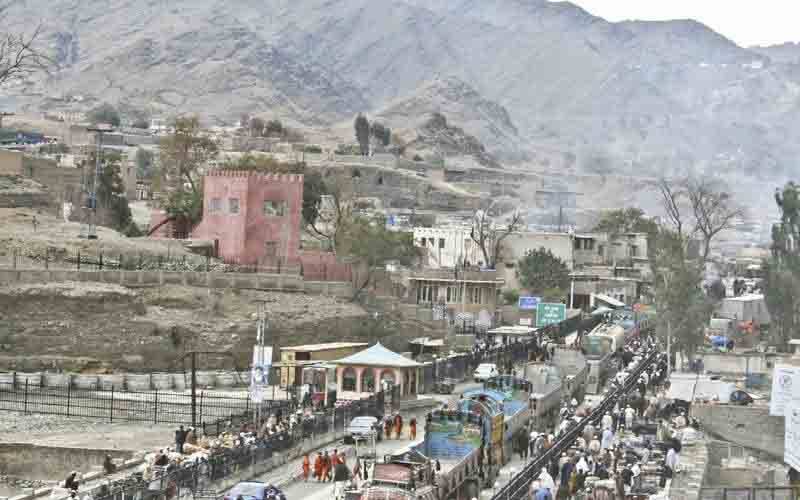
<point x="782" y="276"/>
<point x="542" y="273"/>
<point x="110" y="193"/>
<point x="104" y="113"/>
<point x="362" y="130"/>
<point x="625" y="220"/>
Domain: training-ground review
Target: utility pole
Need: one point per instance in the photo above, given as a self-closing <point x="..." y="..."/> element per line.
<point x="3" y="115"/>
<point x="194" y="389"/>
<point x="562" y="198"/>
<point x="89" y="231"/>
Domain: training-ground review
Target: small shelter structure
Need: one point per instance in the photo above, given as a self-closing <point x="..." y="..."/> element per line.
<point x="373" y="369"/>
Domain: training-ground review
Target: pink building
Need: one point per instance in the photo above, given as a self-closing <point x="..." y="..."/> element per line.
<point x="254" y="218"/>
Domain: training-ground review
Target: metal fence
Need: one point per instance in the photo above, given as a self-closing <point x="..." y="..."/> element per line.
<point x="196" y="480"/>
<point x="157" y="407"/>
<point x="762" y="493"/>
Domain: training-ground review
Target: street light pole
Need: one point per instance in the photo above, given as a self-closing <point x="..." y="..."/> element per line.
<point x="91" y="230"/>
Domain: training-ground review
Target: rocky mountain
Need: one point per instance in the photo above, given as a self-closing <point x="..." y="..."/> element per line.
<point x="639" y="98"/>
<point x="435" y="138"/>
<point x="489" y="122"/>
<point x="786" y="52"/>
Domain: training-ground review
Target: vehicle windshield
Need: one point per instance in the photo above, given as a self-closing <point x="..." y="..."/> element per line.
<point x="595" y="346"/>
<point x="247" y="490"/>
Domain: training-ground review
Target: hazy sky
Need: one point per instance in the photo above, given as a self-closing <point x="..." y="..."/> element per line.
<point x="746" y="22"/>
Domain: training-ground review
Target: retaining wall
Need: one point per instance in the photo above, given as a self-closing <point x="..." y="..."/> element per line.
<point x="749" y="426"/>
<point x="47" y="462"/>
<point x="278" y="282"/>
<point x="126" y="381"/>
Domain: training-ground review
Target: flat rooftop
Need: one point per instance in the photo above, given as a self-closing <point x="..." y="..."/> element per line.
<point x="324" y="347"/>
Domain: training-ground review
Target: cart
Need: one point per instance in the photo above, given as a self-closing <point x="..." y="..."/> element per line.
<point x="444" y="386"/>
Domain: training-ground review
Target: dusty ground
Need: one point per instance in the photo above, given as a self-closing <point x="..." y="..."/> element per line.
<point x="62" y="238"/>
<point x="103" y="327"/>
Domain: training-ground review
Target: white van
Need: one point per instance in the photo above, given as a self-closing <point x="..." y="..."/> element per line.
<point x="485" y="371"/>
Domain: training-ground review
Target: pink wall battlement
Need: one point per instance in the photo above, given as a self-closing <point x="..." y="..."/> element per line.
<point x="255" y="217"/>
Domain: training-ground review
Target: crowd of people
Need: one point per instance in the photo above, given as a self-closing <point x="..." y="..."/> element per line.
<point x="638" y="437"/>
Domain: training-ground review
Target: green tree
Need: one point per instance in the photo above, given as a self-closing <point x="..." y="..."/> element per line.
<point x="381" y="133"/>
<point x="362" y="129"/>
<point x="368" y="242"/>
<point x="141" y="123"/>
<point x="696" y="210"/>
<point x="257" y="127"/>
<point x="104" y="113"/>
<point x="111" y="193"/>
<point x="274" y="127"/>
<point x="183" y="155"/>
<point x="625" y="220"/>
<point x="313" y="184"/>
<point x="542" y="273"/>
<point x="144" y="163"/>
<point x="782" y="276"/>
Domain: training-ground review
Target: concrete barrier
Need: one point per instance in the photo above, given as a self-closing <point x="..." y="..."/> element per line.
<point x="162" y="381"/>
<point x="56" y="380"/>
<point x="34" y="379"/>
<point x="91" y="382"/>
<point x="112" y="381"/>
<point x="179" y="381"/>
<point x="137" y="382"/>
<point x="7" y="381"/>
<point x="749" y="426"/>
<point x="225" y="379"/>
<point x="206" y="379"/>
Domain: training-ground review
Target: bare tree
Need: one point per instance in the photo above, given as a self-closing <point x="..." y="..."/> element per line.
<point x="19" y="56"/>
<point x="335" y="212"/>
<point x="713" y="210"/>
<point x="489" y="235"/>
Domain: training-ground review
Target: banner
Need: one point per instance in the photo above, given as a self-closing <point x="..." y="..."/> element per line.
<point x="784" y="377"/>
<point x="528" y="303"/>
<point x="259" y="372"/>
<point x="791" y="451"/>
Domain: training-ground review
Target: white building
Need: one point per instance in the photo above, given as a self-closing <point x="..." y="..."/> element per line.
<point x="447" y="247"/>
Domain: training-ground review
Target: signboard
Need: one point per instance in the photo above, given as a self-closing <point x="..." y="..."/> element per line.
<point x="783" y="379"/>
<point x="529" y="303"/>
<point x="549" y="314"/>
<point x="791" y="453"/>
<point x="526" y="321"/>
<point x="259" y="372"/>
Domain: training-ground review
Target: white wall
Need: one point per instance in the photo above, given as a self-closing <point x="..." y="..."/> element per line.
<point x="447" y="247"/>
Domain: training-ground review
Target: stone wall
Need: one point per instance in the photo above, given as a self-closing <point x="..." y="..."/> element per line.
<point x="274" y="282"/>
<point x="46" y="462"/>
<point x="749" y="426"/>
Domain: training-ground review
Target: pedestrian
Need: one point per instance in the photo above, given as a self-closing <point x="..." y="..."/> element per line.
<point x="387" y="427"/>
<point x="71" y="483"/>
<point x="629" y="414"/>
<point x="325" y="466"/>
<point x="398" y="425"/>
<point x="565" y="476"/>
<point x="607" y="422"/>
<point x="532" y="443"/>
<point x="412" y="427"/>
<point x="306" y="467"/>
<point x="318" y="467"/>
<point x="180" y="439"/>
<point x="608" y="440"/>
<point x="108" y="465"/>
<point x="35" y="223"/>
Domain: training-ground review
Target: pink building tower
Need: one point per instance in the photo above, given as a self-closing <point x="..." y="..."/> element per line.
<point x="254" y="218"/>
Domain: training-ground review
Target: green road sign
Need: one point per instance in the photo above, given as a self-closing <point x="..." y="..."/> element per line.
<point x="548" y="314"/>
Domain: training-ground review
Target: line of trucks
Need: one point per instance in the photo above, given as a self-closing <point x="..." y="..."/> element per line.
<point x="467" y="442"/>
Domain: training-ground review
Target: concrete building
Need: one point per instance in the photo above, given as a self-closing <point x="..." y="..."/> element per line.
<point x="371" y="370"/>
<point x="447" y="247"/>
<point x="451" y="293"/>
<point x="254" y="219"/>
<point x="294" y="359"/>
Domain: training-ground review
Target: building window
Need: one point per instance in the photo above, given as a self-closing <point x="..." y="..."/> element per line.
<point x="441" y="242"/>
<point x="425" y="294"/>
<point x="453" y="294"/>
<point x="233" y="205"/>
<point x="349" y="379"/>
<point x="215" y="206"/>
<point x="600" y="249"/>
<point x="274" y="208"/>
<point x="634" y="251"/>
<point x="474" y="295"/>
